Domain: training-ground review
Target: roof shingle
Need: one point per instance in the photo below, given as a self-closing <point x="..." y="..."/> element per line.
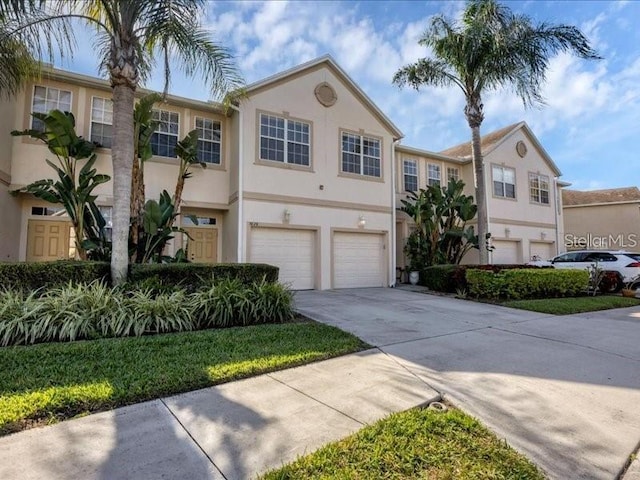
<point x="578" y="197"/>
<point x="486" y="142"/>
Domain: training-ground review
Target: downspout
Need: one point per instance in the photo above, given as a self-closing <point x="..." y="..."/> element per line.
<point x="240" y="252"/>
<point x="393" y="213"/>
<point x="555" y="210"/>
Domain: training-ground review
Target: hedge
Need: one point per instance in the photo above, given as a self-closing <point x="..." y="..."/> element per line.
<point x="452" y="278"/>
<point x="521" y="284"/>
<point x="191" y="275"/>
<point x="47" y="275"/>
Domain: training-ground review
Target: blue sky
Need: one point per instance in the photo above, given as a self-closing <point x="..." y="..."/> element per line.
<point x="590" y="125"/>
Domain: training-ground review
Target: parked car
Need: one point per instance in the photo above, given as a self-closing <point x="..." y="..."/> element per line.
<point x="623" y="266"/>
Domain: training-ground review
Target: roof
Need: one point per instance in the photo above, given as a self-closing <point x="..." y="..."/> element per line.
<point x="486" y="142"/>
<point x="426" y="153"/>
<point x="328" y="61"/>
<point x="493" y="140"/>
<point x="612" y="195"/>
<point x="51" y="73"/>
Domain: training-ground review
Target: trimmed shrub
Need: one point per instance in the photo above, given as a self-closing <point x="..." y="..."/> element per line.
<point x="521" y="283"/>
<point x="451" y="278"/>
<point x="192" y="276"/>
<point x="46" y="275"/>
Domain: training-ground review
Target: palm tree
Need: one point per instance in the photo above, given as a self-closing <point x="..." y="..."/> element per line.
<point x="490" y="48"/>
<point x="130" y="35"/>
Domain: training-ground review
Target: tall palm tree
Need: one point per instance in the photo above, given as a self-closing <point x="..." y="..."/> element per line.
<point x="488" y="49"/>
<point x="131" y="35"/>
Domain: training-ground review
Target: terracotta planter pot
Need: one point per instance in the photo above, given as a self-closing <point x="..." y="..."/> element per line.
<point x="627" y="292"/>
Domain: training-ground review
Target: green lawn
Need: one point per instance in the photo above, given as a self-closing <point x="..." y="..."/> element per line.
<point x="49" y="382"/>
<point x="416" y="444"/>
<point x="565" y="306"/>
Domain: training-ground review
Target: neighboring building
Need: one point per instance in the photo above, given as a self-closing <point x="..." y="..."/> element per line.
<point x="602" y="219"/>
<point x="524" y="205"/>
<point x="304" y="173"/>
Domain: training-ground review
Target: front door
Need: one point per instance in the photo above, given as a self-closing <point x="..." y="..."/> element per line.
<point x="47" y="240"/>
<point x="202" y="246"/>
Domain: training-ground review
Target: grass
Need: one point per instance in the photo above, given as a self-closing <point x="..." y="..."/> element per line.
<point x="416" y="444"/>
<point x="566" y="306"/>
<point x="49" y="382"/>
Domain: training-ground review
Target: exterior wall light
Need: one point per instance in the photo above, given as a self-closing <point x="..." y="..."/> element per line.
<point x="507" y="232"/>
<point x="543" y="235"/>
<point x="361" y="221"/>
<point x="286" y="216"/>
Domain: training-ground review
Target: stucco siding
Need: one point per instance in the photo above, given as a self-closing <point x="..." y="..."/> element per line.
<point x="617" y="224"/>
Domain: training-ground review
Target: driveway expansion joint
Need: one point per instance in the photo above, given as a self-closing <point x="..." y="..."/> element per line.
<point x="564" y="342"/>
<point x="193" y="439"/>
<point x="393" y="344"/>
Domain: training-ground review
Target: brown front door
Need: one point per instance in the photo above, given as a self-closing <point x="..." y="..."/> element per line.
<point x="47" y="240"/>
<point x="202" y="247"/>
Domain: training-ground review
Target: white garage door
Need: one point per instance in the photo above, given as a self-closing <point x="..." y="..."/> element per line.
<point x="358" y="260"/>
<point x="506" y="252"/>
<point x="290" y="250"/>
<point x="541" y="250"/>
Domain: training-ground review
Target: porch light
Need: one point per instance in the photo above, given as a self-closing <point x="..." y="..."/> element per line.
<point x="286" y="216"/>
<point x="361" y="221"/>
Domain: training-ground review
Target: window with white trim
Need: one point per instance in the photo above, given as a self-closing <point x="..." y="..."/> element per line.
<point x="101" y="121"/>
<point x="361" y="155"/>
<point x="285" y="140"/>
<point x="433" y="174"/>
<point x="209" y="140"/>
<point x="453" y="174"/>
<point x="504" y="182"/>
<point x="410" y="171"/>
<point x="165" y="138"/>
<point x="46" y="99"/>
<point x="539" y="188"/>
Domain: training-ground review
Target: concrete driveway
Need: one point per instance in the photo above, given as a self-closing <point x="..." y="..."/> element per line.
<point x="565" y="391"/>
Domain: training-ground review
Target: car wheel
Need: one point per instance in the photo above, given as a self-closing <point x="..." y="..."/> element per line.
<point x="611" y="284"/>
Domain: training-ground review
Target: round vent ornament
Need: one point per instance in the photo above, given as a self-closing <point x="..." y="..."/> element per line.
<point x="325" y="94"/>
<point x="521" y="148"/>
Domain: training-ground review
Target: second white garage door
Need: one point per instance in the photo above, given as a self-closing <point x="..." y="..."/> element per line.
<point x="290" y="250"/>
<point x="358" y="260"/>
<point x="541" y="250"/>
<point x="506" y="252"/>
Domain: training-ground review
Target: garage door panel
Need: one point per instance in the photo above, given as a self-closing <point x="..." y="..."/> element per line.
<point x="506" y="252"/>
<point x="292" y="251"/>
<point x="541" y="250"/>
<point x="358" y="260"/>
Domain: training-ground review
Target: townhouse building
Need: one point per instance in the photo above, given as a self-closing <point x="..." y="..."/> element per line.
<point x="305" y="172"/>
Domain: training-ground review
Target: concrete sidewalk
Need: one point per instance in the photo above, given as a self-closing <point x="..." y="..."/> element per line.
<point x="233" y="431"/>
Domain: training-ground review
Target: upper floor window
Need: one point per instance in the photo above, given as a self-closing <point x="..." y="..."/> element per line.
<point x="361" y="155"/>
<point x="433" y="174"/>
<point x="539" y="188"/>
<point x="165" y="138"/>
<point x="453" y="173"/>
<point x="410" y="170"/>
<point x="101" y="121"/>
<point x="46" y="99"/>
<point x="285" y="140"/>
<point x="209" y="138"/>
<point x="504" y="182"/>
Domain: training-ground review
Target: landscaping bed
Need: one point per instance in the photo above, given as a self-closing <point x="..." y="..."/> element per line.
<point x="416" y="444"/>
<point x="567" y="306"/>
<point x="50" y="382"/>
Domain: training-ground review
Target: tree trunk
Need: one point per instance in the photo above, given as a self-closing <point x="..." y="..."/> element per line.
<point x="177" y="196"/>
<point x="475" y="116"/>
<point x="122" y="155"/>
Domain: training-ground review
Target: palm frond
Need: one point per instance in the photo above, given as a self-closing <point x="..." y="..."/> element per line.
<point x="426" y="71"/>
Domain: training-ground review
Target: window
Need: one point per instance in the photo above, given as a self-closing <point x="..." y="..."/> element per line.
<point x="361" y="155"/>
<point x="165" y="138"/>
<point x="101" y="120"/>
<point x="208" y="140"/>
<point x="504" y="182"/>
<point x="539" y="188"/>
<point x="433" y="174"/>
<point x="48" y="211"/>
<point x="192" y="220"/>
<point x="570" y="257"/>
<point x="453" y="173"/>
<point x="46" y="99"/>
<point x="410" y="169"/>
<point x="284" y="140"/>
